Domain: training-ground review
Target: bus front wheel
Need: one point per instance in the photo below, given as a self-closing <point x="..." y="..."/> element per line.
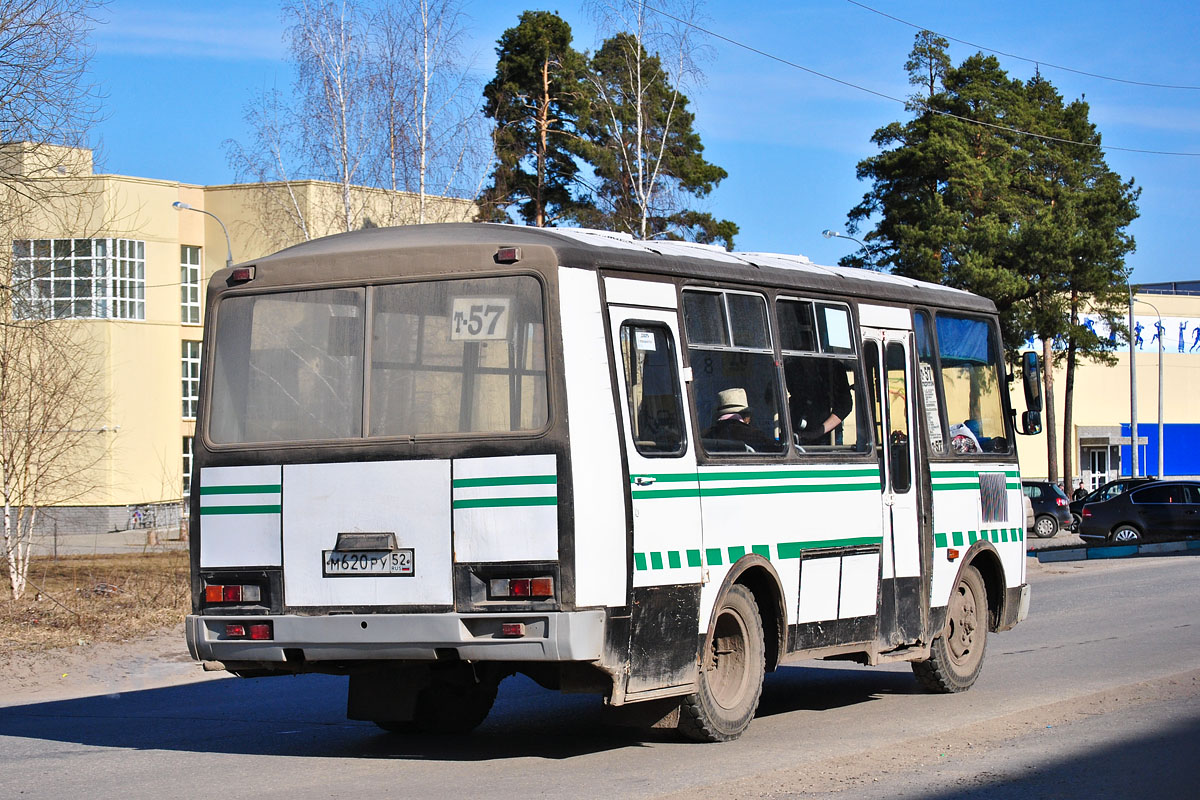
<point x="731" y="672"/>
<point x="956" y="657"/>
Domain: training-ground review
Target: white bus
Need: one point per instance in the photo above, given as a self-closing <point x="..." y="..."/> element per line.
<point x="431" y="457"/>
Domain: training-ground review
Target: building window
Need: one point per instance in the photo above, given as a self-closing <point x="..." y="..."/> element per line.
<point x="189" y="284"/>
<point x="191" y="378"/>
<point x="79" y="278"/>
<point x="187" y="465"/>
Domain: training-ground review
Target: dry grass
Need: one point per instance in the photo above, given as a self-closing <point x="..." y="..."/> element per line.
<point x="75" y="600"/>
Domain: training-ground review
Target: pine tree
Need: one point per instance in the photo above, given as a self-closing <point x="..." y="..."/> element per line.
<point x="645" y="153"/>
<point x="537" y="98"/>
<point x="1036" y="224"/>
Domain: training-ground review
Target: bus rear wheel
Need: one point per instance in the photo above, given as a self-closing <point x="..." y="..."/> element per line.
<point x="956" y="657"/>
<point x="731" y="672"/>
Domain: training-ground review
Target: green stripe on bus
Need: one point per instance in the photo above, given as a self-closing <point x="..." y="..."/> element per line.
<point x="643" y="562"/>
<point x="731" y="491"/>
<point x="789" y="473"/>
<point x="939" y="540"/>
<point x="266" y="488"/>
<point x="506" y="480"/>
<point x="957" y="538"/>
<point x="210" y="510"/>
<point x="505" y="502"/>
<point x="794" y="549"/>
<point x="937" y="487"/>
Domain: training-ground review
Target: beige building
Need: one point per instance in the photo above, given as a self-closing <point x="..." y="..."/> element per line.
<point x="1100" y="441"/>
<point x="114" y="254"/>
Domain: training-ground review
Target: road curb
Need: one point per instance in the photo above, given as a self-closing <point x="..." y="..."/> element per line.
<point x="1118" y="551"/>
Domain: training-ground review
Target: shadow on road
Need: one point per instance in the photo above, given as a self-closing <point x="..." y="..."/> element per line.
<point x="305" y="716"/>
<point x="1160" y="765"/>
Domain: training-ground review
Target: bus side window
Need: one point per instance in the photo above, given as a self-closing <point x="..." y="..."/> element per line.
<point x="735" y="381"/>
<point x="819" y="362"/>
<point x="652" y="388"/>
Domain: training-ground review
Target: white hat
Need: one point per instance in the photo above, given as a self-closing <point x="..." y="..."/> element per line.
<point x="731" y="401"/>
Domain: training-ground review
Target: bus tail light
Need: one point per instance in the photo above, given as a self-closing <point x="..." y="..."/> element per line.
<point x="514" y="629"/>
<point x="521" y="587"/>
<point x="232" y="593"/>
<point x="260" y="631"/>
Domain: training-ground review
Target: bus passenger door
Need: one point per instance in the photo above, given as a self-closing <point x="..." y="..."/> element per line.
<point x="888" y="364"/>
<point x="665" y="498"/>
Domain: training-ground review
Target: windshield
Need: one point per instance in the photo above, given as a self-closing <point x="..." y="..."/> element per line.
<point x="430" y="358"/>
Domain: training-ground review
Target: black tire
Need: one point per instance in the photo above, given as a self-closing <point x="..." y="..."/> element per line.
<point x="731" y="672"/>
<point x="1075" y="520"/>
<point x="1125" y="534"/>
<point x="956" y="657"/>
<point x="1046" y="527"/>
<point x="455" y="703"/>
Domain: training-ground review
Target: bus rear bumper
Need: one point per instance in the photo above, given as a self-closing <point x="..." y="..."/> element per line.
<point x="548" y="637"/>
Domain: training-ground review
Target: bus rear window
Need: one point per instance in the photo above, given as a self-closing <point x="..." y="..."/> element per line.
<point x="437" y="358"/>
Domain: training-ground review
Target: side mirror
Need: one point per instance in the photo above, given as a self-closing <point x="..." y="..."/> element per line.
<point x="1031" y="423"/>
<point x="1031" y="373"/>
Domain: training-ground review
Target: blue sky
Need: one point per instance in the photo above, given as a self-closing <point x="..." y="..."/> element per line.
<point x="177" y="77"/>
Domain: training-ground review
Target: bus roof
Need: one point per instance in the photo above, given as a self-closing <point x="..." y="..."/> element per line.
<point x="584" y="248"/>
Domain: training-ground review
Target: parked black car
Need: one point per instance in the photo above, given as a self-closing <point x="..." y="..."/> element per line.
<point x="1050" y="507"/>
<point x="1106" y="492"/>
<point x="1160" y="510"/>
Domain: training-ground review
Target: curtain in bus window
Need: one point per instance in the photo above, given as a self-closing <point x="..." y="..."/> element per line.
<point x="288" y="367"/>
<point x="465" y="356"/>
<point x="734" y="377"/>
<point x="971" y="384"/>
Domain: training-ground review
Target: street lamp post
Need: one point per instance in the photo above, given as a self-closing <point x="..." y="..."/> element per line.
<point x="828" y="234"/>
<point x="1133" y="409"/>
<point x="1133" y="384"/>
<point x="179" y="205"/>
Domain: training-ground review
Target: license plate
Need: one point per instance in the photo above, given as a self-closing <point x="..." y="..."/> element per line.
<point x="348" y="564"/>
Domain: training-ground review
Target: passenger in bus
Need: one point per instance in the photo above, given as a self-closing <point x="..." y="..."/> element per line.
<point x="732" y="424"/>
<point x="819" y="397"/>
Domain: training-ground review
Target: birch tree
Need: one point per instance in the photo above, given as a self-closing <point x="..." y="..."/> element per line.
<point x="538" y="98"/>
<point x="380" y="102"/>
<point x="49" y="400"/>
<point x="433" y="137"/>
<point x="647" y="156"/>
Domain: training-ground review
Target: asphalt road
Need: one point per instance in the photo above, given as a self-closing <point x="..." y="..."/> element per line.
<point x="1096" y="695"/>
